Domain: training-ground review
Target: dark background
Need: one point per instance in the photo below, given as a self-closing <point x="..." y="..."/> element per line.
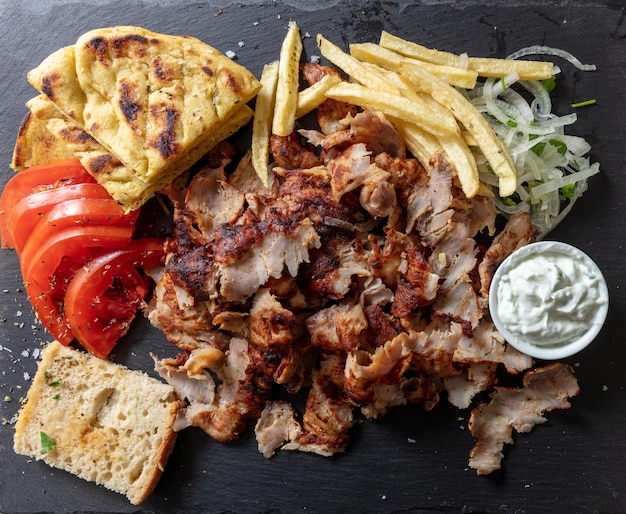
<point x="408" y="461"/>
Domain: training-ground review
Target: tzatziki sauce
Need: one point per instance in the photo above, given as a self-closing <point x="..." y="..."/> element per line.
<point x="549" y="294"/>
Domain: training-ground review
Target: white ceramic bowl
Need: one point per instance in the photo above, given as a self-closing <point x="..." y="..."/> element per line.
<point x="567" y="348"/>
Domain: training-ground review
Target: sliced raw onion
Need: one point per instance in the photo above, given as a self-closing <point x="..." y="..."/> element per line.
<point x="548" y="50"/>
<point x="552" y="169"/>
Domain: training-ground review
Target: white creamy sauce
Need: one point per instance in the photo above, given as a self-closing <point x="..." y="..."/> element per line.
<point x="550" y="298"/>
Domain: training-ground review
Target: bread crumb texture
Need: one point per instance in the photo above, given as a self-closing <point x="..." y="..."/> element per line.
<point x="107" y="424"/>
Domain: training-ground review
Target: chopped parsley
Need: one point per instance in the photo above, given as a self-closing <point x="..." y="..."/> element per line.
<point x="47" y="443"/>
<point x="49" y="382"/>
<point x="549" y="84"/>
<point x="567" y="191"/>
<point x="584" y="104"/>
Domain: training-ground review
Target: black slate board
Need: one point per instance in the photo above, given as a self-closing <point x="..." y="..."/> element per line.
<point x="410" y="460"/>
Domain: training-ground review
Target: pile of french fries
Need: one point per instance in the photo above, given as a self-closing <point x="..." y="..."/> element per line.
<point x="416" y="88"/>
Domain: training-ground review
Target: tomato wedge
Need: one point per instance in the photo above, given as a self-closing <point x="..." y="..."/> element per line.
<point x="38" y="178"/>
<point x="68" y="249"/>
<point x="39" y="215"/>
<point x="103" y="297"/>
<point x="77" y="253"/>
<point x="30" y="210"/>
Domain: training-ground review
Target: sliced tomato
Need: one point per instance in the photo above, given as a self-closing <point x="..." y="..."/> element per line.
<point x="40" y="215"/>
<point x="103" y="297"/>
<point x="31" y="209"/>
<point x="68" y="249"/>
<point x="38" y="178"/>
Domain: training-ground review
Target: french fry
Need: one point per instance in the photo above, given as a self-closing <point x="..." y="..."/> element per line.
<point x="424" y="145"/>
<point x="390" y="59"/>
<point x="404" y="87"/>
<point x="311" y="97"/>
<point x="419" y="142"/>
<point x="396" y="82"/>
<point x="496" y="68"/>
<point x="288" y="83"/>
<point x="483" y="66"/>
<point x="473" y="121"/>
<point x="354" y="68"/>
<point x="461" y="157"/>
<point x="262" y="122"/>
<point x="416" y="51"/>
<point x="392" y="105"/>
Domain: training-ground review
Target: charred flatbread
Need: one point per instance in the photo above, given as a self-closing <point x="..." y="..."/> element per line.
<point x="36" y="145"/>
<point x="121" y="181"/>
<point x="156" y="103"/>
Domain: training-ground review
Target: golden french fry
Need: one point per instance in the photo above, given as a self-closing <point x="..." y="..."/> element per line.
<point x="459" y="77"/>
<point x="288" y="83"/>
<point x="404" y="87"/>
<point x="424" y="145"/>
<point x="416" y="51"/>
<point x="311" y="97"/>
<point x="392" y="105"/>
<point x="496" y="68"/>
<point x="419" y="142"/>
<point x="461" y="157"/>
<point x="473" y="121"/>
<point x="468" y="138"/>
<point x="262" y="122"/>
<point x="395" y="82"/>
<point x="352" y="67"/>
<point x="483" y="66"/>
<point x="390" y="59"/>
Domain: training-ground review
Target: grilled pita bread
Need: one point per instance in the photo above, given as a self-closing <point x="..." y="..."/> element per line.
<point x="121" y="182"/>
<point x="36" y="145"/>
<point x="153" y="103"/>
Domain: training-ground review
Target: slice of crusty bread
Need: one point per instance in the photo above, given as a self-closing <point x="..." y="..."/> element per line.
<point x="108" y="424"/>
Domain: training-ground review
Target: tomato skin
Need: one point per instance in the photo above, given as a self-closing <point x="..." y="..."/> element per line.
<point x="27" y="221"/>
<point x="30" y="210"/>
<point x="104" y="295"/>
<point x="37" y="178"/>
<point x="40" y="263"/>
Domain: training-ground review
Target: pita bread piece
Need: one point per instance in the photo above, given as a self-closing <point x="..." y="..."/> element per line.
<point x="152" y="100"/>
<point x="121" y="182"/>
<point x="36" y="145"/>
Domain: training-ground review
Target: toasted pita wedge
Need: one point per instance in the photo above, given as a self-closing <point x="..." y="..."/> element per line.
<point x="36" y="145"/>
<point x="153" y="101"/>
<point x="119" y="180"/>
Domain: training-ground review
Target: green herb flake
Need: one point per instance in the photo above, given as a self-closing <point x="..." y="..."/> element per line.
<point x="549" y="84"/>
<point x="539" y="148"/>
<point x="47" y="443"/>
<point x="567" y="191"/>
<point x="584" y="103"/>
<point x="49" y="382"/>
<point x="561" y="147"/>
<point x="56" y="397"/>
<point x="512" y="200"/>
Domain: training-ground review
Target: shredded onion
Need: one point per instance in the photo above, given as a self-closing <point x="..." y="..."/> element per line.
<point x="548" y="50"/>
<point x="552" y="169"/>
